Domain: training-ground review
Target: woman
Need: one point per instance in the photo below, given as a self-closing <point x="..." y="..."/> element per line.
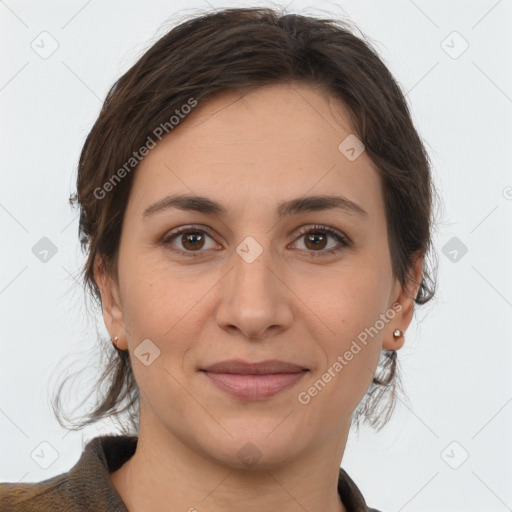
<point x="256" y="211"/>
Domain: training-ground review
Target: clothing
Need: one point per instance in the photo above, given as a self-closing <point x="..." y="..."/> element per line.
<point x="87" y="486"/>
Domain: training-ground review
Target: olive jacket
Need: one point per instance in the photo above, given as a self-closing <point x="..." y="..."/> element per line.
<point x="87" y="486"/>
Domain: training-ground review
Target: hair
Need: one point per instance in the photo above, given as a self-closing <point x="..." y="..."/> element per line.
<point x="240" y="50"/>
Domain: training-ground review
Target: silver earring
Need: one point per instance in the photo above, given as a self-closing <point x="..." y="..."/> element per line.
<point x="397" y="333"/>
<point x="114" y="340"/>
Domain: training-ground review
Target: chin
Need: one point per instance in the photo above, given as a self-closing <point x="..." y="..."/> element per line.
<point x="255" y="443"/>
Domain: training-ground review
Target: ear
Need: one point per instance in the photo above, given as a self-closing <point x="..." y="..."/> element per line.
<point x="403" y="304"/>
<point x="111" y="303"/>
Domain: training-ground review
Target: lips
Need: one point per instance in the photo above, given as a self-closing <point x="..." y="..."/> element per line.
<point x="271" y="366"/>
<point x="254" y="381"/>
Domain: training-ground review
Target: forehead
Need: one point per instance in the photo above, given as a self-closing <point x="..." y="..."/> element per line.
<point x="276" y="142"/>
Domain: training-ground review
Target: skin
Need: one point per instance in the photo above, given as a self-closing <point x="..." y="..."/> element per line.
<point x="250" y="153"/>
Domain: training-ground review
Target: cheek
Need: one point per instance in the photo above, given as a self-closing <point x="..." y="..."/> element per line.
<point x="169" y="308"/>
<point x="346" y="307"/>
<point x="350" y="348"/>
<point x="155" y="297"/>
<point x="346" y="300"/>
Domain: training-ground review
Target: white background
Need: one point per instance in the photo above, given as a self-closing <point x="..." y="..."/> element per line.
<point x="456" y="362"/>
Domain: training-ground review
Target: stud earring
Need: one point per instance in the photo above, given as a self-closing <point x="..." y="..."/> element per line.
<point x="114" y="341"/>
<point x="397" y="333"/>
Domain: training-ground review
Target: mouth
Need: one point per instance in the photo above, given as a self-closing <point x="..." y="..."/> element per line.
<point x="254" y="381"/>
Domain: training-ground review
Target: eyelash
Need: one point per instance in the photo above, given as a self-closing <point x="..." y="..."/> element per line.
<point x="340" y="238"/>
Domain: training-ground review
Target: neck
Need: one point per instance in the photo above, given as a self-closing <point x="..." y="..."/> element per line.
<point x="166" y="474"/>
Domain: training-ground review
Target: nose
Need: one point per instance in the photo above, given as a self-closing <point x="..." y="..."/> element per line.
<point x="255" y="300"/>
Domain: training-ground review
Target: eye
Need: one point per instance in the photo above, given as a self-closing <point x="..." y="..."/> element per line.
<point x="316" y="240"/>
<point x="194" y="238"/>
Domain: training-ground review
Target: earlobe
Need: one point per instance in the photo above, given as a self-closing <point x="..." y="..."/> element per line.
<point x="394" y="335"/>
<point x="398" y="341"/>
<point x="111" y="304"/>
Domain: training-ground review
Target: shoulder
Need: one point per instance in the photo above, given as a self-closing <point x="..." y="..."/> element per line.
<point x="50" y="494"/>
<point x="86" y="486"/>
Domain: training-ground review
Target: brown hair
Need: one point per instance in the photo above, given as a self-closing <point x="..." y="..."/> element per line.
<point x="240" y="50"/>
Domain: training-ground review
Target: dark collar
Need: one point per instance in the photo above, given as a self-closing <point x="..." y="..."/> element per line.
<point x="114" y="451"/>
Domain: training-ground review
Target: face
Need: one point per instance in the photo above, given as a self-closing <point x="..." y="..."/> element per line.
<point x="243" y="277"/>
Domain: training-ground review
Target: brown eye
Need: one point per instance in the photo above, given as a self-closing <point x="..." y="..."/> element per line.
<point x="316" y="240"/>
<point x="192" y="240"/>
<point x="189" y="241"/>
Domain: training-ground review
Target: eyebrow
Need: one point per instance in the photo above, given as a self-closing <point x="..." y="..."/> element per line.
<point x="206" y="205"/>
